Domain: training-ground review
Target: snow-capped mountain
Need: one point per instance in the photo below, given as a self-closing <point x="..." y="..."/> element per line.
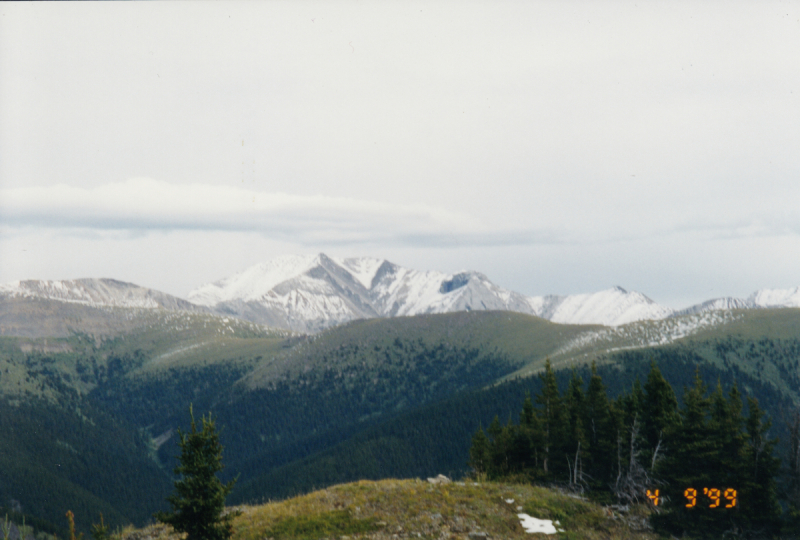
<point x="776" y="298"/>
<point x="96" y="292"/>
<point x="612" y="307"/>
<point x="763" y="298"/>
<point x="310" y="293"/>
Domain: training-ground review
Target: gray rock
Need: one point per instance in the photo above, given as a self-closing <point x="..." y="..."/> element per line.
<point x="440" y="479"/>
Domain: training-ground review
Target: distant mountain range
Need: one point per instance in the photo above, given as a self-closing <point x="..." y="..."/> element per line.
<point x="311" y="293"/>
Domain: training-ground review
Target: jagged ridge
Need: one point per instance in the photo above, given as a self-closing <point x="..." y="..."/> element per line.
<point x="311" y="293"/>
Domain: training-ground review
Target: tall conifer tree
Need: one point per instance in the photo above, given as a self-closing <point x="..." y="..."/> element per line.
<point x="199" y="499"/>
<point x="600" y="431"/>
<point x="576" y="445"/>
<point x="659" y="415"/>
<point x="759" y="491"/>
<point x="551" y="416"/>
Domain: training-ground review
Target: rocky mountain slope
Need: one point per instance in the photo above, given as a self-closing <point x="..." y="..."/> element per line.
<point x="311" y="293"/>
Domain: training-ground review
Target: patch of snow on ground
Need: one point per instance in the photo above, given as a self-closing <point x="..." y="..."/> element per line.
<point x="649" y="333"/>
<point x="534" y="525"/>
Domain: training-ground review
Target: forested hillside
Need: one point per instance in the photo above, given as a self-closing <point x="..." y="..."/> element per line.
<point x="372" y="399"/>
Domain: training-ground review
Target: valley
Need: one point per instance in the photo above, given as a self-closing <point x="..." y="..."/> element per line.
<point x="92" y="395"/>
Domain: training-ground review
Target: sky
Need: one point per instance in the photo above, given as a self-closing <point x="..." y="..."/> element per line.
<point x="556" y="147"/>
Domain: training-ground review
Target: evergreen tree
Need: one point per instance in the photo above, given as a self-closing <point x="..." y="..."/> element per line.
<point x="626" y="419"/>
<point x="576" y="445"/>
<point x="690" y="466"/>
<point x="551" y="416"/>
<point x="659" y="415"/>
<point x="726" y="432"/>
<point x="528" y="440"/>
<point x="600" y="431"/>
<point x="758" y="491"/>
<point x="480" y="452"/>
<point x="497" y="458"/>
<point x="631" y="405"/>
<point x="793" y="488"/>
<point x="199" y="498"/>
<point x="528" y="415"/>
<point x="495" y="428"/>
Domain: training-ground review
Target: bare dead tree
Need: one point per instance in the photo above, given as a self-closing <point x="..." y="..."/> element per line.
<point x="633" y="479"/>
<point x="578" y="479"/>
<point x="655" y="452"/>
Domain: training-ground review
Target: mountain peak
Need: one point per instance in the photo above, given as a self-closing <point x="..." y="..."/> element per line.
<point x="310" y="293"/>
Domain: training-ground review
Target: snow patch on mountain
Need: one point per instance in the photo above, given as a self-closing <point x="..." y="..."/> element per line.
<point x="763" y="298"/>
<point x="648" y="333"/>
<point x="96" y="292"/>
<point x="312" y="293"/>
<point x="776" y="297"/>
<point x="363" y="268"/>
<point x="611" y="307"/>
<point x="254" y="282"/>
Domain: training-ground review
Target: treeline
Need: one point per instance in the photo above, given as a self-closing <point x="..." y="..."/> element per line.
<point x="435" y="438"/>
<point x="708" y="466"/>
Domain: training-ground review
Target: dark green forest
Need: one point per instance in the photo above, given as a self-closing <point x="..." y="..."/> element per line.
<point x="708" y="466"/>
<point x="413" y="414"/>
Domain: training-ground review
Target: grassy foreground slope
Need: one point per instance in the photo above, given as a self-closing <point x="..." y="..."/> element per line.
<point x="403" y="509"/>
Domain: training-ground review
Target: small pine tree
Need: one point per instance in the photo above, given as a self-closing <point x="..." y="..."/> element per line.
<point x="100" y="531"/>
<point x="479" y="453"/>
<point x="199" y="498"/>
<point x="71" y="523"/>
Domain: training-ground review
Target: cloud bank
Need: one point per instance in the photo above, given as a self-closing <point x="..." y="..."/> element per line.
<point x="142" y="205"/>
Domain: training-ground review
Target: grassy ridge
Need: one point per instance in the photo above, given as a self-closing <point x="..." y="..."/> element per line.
<point x="519" y="338"/>
<point x="417" y="509"/>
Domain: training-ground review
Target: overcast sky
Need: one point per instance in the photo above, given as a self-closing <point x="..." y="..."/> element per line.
<point x="557" y="147"/>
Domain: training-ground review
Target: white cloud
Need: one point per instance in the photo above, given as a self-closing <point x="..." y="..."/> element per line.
<point x="143" y="204"/>
<point x="565" y="146"/>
